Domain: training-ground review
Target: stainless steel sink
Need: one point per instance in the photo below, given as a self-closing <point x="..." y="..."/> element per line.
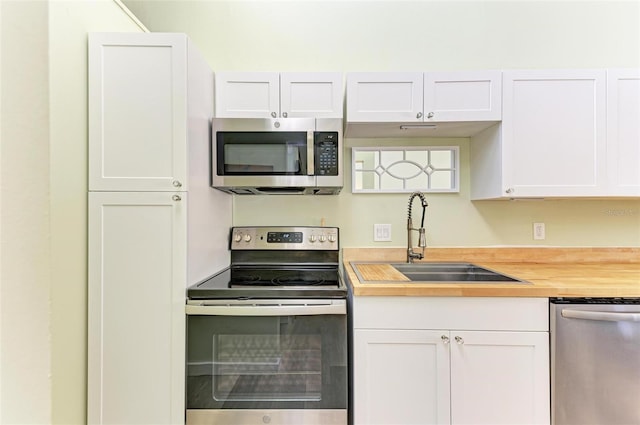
<point x="452" y="272"/>
<point x="443" y="272"/>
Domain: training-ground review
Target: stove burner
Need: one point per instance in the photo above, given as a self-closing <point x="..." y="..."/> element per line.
<point x="251" y="277"/>
<point x="247" y="279"/>
<point x="292" y="281"/>
<point x="278" y="281"/>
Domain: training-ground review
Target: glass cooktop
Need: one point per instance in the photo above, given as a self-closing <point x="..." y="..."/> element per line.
<point x="273" y="282"/>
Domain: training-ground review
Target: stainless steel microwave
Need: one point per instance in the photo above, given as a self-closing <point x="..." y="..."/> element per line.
<point x="277" y="156"/>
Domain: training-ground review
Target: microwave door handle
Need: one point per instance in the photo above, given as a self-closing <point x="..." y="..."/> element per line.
<point x="310" y="151"/>
<point x="601" y="315"/>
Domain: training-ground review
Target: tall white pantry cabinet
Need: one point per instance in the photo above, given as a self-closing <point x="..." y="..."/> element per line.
<point x="155" y="225"/>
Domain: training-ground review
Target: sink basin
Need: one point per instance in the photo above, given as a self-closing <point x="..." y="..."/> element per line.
<point x="430" y="272"/>
<point x="451" y="272"/>
<point x="440" y="268"/>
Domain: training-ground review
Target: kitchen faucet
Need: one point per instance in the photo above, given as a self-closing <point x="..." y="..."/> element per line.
<point x="422" y="239"/>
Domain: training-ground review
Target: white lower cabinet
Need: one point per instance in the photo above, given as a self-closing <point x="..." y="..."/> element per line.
<point x="407" y="371"/>
<point x="137" y="272"/>
<point x="401" y="377"/>
<point x="499" y="377"/>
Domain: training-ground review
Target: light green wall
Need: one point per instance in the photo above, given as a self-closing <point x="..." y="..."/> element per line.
<point x="43" y="282"/>
<point x="401" y="35"/>
<point x="25" y="346"/>
<point x="419" y="35"/>
<point x="452" y="219"/>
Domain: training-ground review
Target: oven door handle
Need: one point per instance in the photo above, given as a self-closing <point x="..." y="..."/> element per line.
<point x="265" y="310"/>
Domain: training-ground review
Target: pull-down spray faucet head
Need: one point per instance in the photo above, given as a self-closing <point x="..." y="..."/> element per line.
<point x="422" y="238"/>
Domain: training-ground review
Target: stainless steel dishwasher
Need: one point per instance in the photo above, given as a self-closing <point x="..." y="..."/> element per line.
<point x="595" y="361"/>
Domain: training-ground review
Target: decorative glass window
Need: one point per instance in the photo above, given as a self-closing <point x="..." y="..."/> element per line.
<point x="405" y="169"/>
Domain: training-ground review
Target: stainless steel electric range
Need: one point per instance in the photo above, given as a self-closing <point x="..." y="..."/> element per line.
<point x="267" y="337"/>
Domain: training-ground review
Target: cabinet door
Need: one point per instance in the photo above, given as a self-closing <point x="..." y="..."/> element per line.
<point x="136" y="324"/>
<point x="463" y="96"/>
<point x="247" y="94"/>
<point x="137" y="111"/>
<point x="311" y="95"/>
<point x="554" y="133"/>
<point x="400" y="377"/>
<point x="499" y="377"/>
<point x="623" y="132"/>
<point x="384" y="97"/>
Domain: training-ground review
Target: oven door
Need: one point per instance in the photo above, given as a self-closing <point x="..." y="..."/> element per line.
<point x="261" y="361"/>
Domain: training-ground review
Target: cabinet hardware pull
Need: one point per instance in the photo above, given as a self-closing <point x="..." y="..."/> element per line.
<point x="176" y="198"/>
<point x="510" y="190"/>
<point x="459" y="340"/>
<point x="176" y="183"/>
<point x="445" y="339"/>
<point x="430" y="115"/>
<point x="419" y="115"/>
<point x="284" y="114"/>
<point x="273" y="114"/>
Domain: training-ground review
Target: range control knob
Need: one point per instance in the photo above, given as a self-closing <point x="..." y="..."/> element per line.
<point x="322" y="238"/>
<point x="247" y="238"/>
<point x="312" y="238"/>
<point x="332" y="238"/>
<point x="237" y="237"/>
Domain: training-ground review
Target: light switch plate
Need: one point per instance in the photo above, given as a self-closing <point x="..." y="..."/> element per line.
<point x="538" y="231"/>
<point x="381" y="232"/>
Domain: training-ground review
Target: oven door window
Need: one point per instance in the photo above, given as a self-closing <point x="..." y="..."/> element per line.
<point x="274" y="362"/>
<point x="262" y="153"/>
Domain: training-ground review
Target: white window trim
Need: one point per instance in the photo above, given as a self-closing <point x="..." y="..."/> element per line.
<point x="455" y="186"/>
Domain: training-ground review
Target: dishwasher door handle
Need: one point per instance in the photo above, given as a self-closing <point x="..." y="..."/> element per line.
<point x="601" y="315"/>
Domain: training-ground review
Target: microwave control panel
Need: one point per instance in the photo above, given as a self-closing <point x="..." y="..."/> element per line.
<point x="326" y="153"/>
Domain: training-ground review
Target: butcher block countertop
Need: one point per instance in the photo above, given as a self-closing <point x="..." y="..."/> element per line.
<point x="551" y="272"/>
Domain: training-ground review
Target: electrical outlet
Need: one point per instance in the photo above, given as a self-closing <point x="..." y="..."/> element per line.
<point x="381" y="232"/>
<point x="538" y="231"/>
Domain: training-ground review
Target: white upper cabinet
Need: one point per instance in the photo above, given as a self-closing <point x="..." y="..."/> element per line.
<point x="311" y="94"/>
<point x="138" y="111"/>
<point x="554" y="132"/>
<point x="416" y="104"/>
<point x="623" y="132"/>
<point x="462" y="96"/>
<point x="278" y="95"/>
<point x="384" y="97"/>
<point x="247" y="95"/>
<point x="552" y="140"/>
